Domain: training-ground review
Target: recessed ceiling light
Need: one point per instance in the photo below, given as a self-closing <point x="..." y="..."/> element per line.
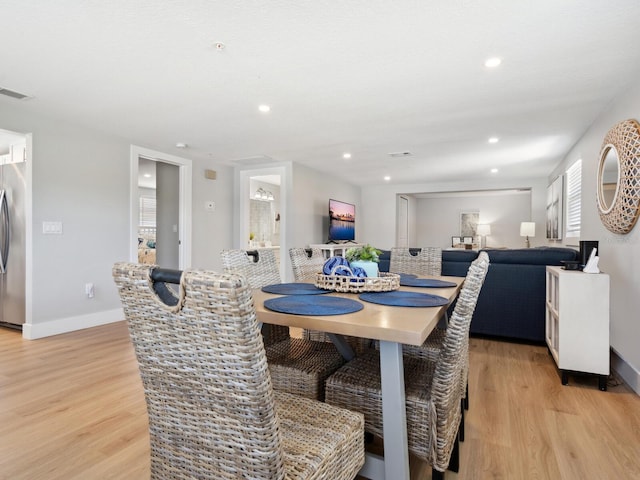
<point x="494" y="140"/>
<point x="492" y="62"/>
<point x="387" y="178"/>
<point x="181" y="145"/>
<point x="264" y="108"/>
<point x="346" y="155"/>
<point x="147" y="175"/>
<point x="494" y="170"/>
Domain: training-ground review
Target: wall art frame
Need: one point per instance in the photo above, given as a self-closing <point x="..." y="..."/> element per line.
<point x="469" y="223"/>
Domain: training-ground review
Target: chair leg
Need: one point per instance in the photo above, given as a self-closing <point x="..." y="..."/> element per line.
<point x="437" y="474"/>
<point x="466" y="397"/>
<point x="454" y="462"/>
<point x="368" y="438"/>
<point x="461" y="429"/>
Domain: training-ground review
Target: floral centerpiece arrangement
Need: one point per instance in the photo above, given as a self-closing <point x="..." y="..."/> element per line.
<point x="364" y="254"/>
<point x="366" y="257"/>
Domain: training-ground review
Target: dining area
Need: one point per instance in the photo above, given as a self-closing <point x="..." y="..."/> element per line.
<point x="383" y="358"/>
<point x="81" y="412"/>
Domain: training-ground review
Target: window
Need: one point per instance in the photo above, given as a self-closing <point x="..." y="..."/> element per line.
<point x="574" y="187"/>
<point x="147" y="211"/>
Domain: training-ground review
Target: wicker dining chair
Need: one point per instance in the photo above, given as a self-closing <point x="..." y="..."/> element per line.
<point x="432" y="389"/>
<point x="307" y="263"/>
<point x="297" y="365"/>
<point x="433" y="345"/>
<point x="426" y="262"/>
<point x="213" y="413"/>
<point x="260" y="272"/>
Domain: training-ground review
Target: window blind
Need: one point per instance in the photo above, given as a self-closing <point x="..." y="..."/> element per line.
<point x="147" y="211"/>
<point x="574" y="187"/>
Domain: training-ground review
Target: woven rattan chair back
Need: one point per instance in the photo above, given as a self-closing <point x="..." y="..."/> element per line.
<point x="305" y="266"/>
<point x="204" y="372"/>
<point x="453" y="362"/>
<point x="213" y="412"/>
<point x="262" y="271"/>
<point x="426" y="262"/>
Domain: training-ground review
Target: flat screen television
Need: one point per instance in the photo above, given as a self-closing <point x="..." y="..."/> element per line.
<point x="342" y="221"/>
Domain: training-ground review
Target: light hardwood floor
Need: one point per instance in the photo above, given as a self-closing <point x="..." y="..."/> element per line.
<point x="72" y="407"/>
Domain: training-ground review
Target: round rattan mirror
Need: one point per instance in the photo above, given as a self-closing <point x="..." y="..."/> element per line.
<point x="609" y="178"/>
<point x="618" y="188"/>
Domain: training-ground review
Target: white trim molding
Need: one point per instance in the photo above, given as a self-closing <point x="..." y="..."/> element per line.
<point x="32" y="331"/>
<point x="627" y="372"/>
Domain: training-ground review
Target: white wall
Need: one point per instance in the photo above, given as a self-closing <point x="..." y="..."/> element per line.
<point x="438" y="218"/>
<point x="81" y="178"/>
<point x="310" y="207"/>
<point x="619" y="254"/>
<point x="378" y="210"/>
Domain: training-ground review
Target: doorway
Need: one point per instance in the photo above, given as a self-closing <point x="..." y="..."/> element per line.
<point x="160" y="209"/>
<point x="269" y="227"/>
<point x="402" y="232"/>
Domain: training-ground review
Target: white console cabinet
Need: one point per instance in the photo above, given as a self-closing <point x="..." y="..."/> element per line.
<point x="577" y="322"/>
<point x="331" y="249"/>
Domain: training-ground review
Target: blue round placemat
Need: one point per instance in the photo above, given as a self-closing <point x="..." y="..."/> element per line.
<point x="313" y="305"/>
<point x="404" y="299"/>
<point x="407" y="276"/>
<point x="294" y="289"/>
<point x="425" y="282"/>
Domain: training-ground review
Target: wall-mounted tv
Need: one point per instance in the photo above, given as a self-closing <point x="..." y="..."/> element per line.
<point x="342" y="221"/>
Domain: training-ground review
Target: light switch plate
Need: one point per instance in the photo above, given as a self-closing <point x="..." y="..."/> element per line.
<point x="52" y="228"/>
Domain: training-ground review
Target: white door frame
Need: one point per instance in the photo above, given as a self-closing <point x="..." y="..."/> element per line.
<point x="241" y="215"/>
<point x="185" y="195"/>
<point x="402" y="226"/>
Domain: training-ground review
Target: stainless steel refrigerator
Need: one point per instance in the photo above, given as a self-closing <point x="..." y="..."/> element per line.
<point x="12" y="236"/>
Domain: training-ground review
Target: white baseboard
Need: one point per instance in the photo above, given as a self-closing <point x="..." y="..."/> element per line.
<point x="32" y="331"/>
<point x="627" y="372"/>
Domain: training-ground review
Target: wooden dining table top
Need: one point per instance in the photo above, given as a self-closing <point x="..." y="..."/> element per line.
<point x="408" y="325"/>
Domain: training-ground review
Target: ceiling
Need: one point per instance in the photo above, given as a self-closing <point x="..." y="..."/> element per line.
<point x="365" y="77"/>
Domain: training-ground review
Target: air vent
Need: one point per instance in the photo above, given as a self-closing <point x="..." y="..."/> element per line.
<point x="400" y="154"/>
<point x="12" y="94"/>
<point x="252" y="161"/>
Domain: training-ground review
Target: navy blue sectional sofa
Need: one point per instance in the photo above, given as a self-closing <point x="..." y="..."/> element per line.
<point x="512" y="299"/>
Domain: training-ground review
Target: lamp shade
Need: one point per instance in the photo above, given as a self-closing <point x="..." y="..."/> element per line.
<point x="483" y="229"/>
<point x="528" y="229"/>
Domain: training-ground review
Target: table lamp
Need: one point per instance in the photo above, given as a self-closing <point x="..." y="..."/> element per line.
<point x="483" y="230"/>
<point x="528" y="229"/>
